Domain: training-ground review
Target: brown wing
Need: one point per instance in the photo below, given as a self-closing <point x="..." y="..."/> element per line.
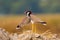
<point x="37" y="20"/>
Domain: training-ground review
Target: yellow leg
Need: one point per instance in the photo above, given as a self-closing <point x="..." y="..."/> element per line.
<point x="33" y="28"/>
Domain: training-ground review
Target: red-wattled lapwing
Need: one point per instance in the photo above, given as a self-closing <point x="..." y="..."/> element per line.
<point x="30" y="18"/>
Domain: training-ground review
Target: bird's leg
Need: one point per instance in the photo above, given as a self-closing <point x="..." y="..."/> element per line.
<point x="33" y="27"/>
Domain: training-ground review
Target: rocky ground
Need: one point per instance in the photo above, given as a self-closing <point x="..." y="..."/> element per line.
<point x="27" y="35"/>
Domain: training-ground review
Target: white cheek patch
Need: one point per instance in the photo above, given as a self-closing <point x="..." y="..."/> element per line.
<point x="27" y="13"/>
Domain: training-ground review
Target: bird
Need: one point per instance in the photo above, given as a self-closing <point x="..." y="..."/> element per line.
<point x="30" y="18"/>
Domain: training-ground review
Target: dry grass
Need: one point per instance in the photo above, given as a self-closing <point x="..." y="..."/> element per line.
<point x="10" y="23"/>
<point x="49" y="32"/>
<point x="27" y="35"/>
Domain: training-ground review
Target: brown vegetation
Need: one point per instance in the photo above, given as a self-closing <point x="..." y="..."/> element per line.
<point x="28" y="35"/>
<point x="10" y="22"/>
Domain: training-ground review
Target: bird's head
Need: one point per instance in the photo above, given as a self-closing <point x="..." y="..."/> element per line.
<point x="28" y="13"/>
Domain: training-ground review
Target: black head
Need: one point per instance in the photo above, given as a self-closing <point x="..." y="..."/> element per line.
<point x="28" y="13"/>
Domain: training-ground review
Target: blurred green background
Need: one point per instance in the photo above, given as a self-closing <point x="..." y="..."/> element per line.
<point x="36" y="6"/>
